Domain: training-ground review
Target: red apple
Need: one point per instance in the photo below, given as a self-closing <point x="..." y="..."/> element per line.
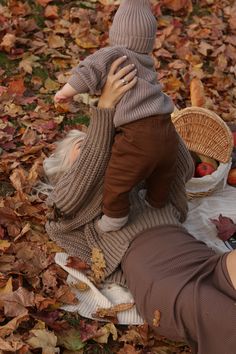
<point x="234" y="136"/>
<point x="232" y="177"/>
<point x="204" y="168"/>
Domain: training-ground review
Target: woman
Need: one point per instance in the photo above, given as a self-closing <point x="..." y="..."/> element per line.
<point x="170" y="274"/>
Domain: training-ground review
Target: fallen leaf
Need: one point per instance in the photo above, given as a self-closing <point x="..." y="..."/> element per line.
<point x="55" y="41"/>
<point x="44" y="2"/>
<point x="4" y="245"/>
<point x="51" y="12"/>
<point x="8" y="42"/>
<point x="70" y="339"/>
<point x="197" y="93"/>
<point x="16" y="303"/>
<point x="156" y="318"/>
<point x="98" y="265"/>
<point x="16" y="87"/>
<point x="225" y="226"/>
<point x="104" y="333"/>
<point x="11" y="344"/>
<point x="77" y="263"/>
<point x="12" y="325"/>
<point x="42" y="338"/>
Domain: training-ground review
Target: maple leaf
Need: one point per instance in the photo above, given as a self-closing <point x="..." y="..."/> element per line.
<point x="225" y="226"/>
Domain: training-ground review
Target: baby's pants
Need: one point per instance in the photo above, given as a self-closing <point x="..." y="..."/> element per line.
<point x="142" y="150"/>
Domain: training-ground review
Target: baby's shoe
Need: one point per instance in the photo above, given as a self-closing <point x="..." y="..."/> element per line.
<point x="107" y="224"/>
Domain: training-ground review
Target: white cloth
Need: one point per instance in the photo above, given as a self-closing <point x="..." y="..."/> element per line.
<point x="222" y="201"/>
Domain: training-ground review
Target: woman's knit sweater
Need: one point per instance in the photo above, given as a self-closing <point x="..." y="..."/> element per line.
<point x="144" y="100"/>
<point x="78" y="197"/>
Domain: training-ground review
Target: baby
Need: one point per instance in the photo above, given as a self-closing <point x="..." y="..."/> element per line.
<point x="146" y="143"/>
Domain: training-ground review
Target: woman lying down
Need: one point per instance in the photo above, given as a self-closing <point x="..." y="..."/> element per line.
<point x="165" y="268"/>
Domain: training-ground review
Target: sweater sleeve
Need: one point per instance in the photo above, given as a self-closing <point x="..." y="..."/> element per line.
<point x="77" y="185"/>
<point x="90" y="75"/>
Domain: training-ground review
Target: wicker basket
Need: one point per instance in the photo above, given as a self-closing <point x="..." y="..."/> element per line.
<point x="204" y="132"/>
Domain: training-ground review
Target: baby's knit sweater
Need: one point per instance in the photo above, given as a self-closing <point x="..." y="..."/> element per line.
<point x="144" y="100"/>
<point x="78" y="195"/>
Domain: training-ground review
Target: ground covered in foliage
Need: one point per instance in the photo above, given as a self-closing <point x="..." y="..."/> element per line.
<point x="195" y="57"/>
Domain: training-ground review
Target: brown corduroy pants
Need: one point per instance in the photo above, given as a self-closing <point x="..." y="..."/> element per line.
<point x="142" y="150"/>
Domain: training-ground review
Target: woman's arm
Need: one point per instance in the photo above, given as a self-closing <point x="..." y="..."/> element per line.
<point x="77" y="185"/>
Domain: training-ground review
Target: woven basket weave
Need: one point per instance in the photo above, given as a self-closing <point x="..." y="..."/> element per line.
<point x="204" y="132"/>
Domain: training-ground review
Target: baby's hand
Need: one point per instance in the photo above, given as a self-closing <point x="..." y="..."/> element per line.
<point x="60" y="97"/>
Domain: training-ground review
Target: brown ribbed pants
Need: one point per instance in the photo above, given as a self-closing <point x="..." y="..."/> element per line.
<point x="142" y="150"/>
<point x="168" y="270"/>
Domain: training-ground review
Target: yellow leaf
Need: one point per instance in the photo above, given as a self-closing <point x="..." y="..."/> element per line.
<point x="4" y="245"/>
<point x="105" y="332"/>
<point x="42" y="338"/>
<point x="7" y="288"/>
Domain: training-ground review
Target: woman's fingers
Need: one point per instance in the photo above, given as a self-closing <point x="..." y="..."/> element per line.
<point x="129" y="76"/>
<point x="115" y="65"/>
<point x="123" y="72"/>
<point x="128" y="86"/>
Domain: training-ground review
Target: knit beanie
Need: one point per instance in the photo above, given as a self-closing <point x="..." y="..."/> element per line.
<point x="134" y="26"/>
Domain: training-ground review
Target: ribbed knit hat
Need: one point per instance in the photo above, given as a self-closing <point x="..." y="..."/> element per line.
<point x="134" y="26"/>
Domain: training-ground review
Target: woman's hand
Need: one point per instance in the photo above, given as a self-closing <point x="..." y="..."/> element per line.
<point x="118" y="83"/>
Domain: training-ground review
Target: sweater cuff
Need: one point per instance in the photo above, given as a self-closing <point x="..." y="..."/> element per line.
<point x="78" y="83"/>
<point x="102" y="113"/>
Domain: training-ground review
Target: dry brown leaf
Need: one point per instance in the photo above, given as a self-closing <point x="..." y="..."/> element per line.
<point x="44" y="2"/>
<point x="55" y="41"/>
<point x="98" y="265"/>
<point x="8" y="42"/>
<point x="77" y="263"/>
<point x="7" y="288"/>
<point x="65" y="295"/>
<point x="12" y="325"/>
<point x="19" y="178"/>
<point x="197" y="93"/>
<point x="16" y="303"/>
<point x="176" y="5"/>
<point x="112" y="312"/>
<point x="51" y="12"/>
<point x="128" y="349"/>
<point x="16" y="87"/>
<point x="156" y="318"/>
<point x="12" y="344"/>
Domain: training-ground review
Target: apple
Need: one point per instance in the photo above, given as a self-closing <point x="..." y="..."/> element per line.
<point x="234" y="137"/>
<point x="204" y="169"/>
<point x="232" y="177"/>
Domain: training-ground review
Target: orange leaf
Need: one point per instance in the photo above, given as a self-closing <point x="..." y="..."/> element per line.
<point x="16" y="87"/>
<point x="51" y="12"/>
<point x="43" y="2"/>
<point x="197" y="93"/>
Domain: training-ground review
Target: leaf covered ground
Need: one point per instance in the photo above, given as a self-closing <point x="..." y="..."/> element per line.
<point x="40" y="41"/>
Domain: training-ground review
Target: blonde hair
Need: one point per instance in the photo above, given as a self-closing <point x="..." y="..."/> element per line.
<point x="60" y="161"/>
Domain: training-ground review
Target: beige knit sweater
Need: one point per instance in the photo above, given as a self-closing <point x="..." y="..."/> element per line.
<point x="78" y="196"/>
<point x="144" y="100"/>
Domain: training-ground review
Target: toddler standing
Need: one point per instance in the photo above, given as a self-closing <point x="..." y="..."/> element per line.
<point x="146" y="143"/>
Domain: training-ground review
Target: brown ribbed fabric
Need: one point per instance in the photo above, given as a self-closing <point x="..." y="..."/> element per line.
<point x="146" y="97"/>
<point x="78" y="195"/>
<point x="134" y="26"/>
<point x="190" y="286"/>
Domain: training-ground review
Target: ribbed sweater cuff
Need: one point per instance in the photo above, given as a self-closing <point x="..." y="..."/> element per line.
<point x="77" y="82"/>
<point x="102" y="127"/>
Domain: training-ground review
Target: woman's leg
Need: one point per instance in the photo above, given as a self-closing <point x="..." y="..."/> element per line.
<point x="231" y="267"/>
<point x="168" y="270"/>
